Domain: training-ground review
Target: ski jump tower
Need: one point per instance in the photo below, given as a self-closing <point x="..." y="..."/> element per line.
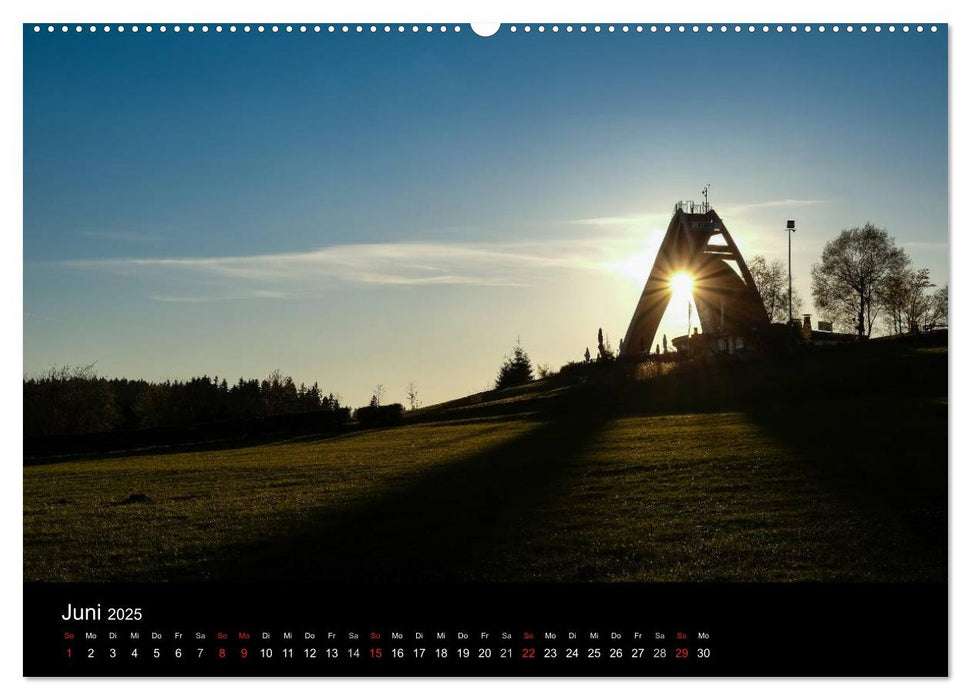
<point x="730" y="309"/>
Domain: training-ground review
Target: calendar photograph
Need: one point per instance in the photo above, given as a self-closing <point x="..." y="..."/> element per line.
<point x="319" y="307"/>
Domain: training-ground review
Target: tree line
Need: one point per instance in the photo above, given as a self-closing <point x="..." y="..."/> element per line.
<point x="863" y="281"/>
<point x="66" y="400"/>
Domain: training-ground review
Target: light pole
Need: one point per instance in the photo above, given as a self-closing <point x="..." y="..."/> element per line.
<point x="790" y="227"/>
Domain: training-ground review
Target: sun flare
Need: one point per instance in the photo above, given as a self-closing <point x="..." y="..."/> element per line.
<point x="682" y="283"/>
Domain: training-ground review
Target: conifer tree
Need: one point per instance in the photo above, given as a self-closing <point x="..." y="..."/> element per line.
<point x="515" y="370"/>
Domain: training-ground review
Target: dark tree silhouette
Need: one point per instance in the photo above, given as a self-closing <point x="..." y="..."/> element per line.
<point x="69" y="400"/>
<point x="279" y="394"/>
<point x="772" y="282"/>
<point x="893" y="294"/>
<point x="939" y="308"/>
<point x="73" y="401"/>
<point x="853" y="267"/>
<point x="411" y="392"/>
<point x="377" y="396"/>
<point x="515" y="370"/>
<point x="919" y="302"/>
<point x="604" y="352"/>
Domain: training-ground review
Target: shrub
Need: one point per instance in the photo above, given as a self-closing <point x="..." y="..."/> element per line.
<point x="373" y="416"/>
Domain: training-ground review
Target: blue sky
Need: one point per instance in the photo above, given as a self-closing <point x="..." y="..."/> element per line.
<point x="358" y="209"/>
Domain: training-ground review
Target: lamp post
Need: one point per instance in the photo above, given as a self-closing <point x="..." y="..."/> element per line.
<point x="790" y="227"/>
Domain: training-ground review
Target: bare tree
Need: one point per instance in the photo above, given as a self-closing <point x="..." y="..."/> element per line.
<point x="893" y="294"/>
<point x="411" y="392"/>
<point x="938" y="315"/>
<point x="919" y="302"/>
<point x="853" y="267"/>
<point x="378" y="395"/>
<point x="772" y="282"/>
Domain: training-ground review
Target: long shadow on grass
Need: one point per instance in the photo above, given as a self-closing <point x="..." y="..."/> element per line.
<point x="887" y="457"/>
<point x="444" y="525"/>
<point x="868" y="425"/>
<point x="876" y="430"/>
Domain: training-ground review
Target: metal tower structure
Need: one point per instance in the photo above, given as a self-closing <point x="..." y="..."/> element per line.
<point x="727" y="299"/>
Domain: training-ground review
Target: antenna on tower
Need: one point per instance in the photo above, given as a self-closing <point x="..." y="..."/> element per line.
<point x="704" y="193"/>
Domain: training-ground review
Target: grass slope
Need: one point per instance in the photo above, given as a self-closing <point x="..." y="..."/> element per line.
<point x="823" y="478"/>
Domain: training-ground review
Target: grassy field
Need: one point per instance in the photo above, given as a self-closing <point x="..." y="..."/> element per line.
<point x="849" y="486"/>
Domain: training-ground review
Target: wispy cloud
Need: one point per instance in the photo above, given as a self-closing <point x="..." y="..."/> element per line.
<point x="646" y="218"/>
<point x="254" y="294"/>
<point x="307" y="273"/>
<point x="773" y="204"/>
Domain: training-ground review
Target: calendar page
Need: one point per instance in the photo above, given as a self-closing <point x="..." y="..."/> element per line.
<point x="526" y="349"/>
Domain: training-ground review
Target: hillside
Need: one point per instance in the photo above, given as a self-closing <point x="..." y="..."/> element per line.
<point x="829" y="465"/>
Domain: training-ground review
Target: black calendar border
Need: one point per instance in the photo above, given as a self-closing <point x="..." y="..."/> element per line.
<point x="756" y="630"/>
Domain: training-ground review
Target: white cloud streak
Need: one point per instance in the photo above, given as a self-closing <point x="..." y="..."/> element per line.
<point x="609" y="244"/>
<point x="625" y="220"/>
<point x="288" y="275"/>
<point x="734" y="210"/>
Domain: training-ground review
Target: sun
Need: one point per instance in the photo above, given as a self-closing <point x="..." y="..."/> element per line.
<point x="682" y="283"/>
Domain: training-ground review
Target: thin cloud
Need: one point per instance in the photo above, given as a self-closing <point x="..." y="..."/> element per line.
<point x="621" y="220"/>
<point x="774" y="204"/>
<point x="255" y="294"/>
<point x="408" y="264"/>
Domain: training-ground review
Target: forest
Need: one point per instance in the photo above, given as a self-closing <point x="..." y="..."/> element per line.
<point x="71" y="401"/>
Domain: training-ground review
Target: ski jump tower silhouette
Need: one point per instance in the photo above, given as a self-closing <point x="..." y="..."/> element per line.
<point x="727" y="300"/>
